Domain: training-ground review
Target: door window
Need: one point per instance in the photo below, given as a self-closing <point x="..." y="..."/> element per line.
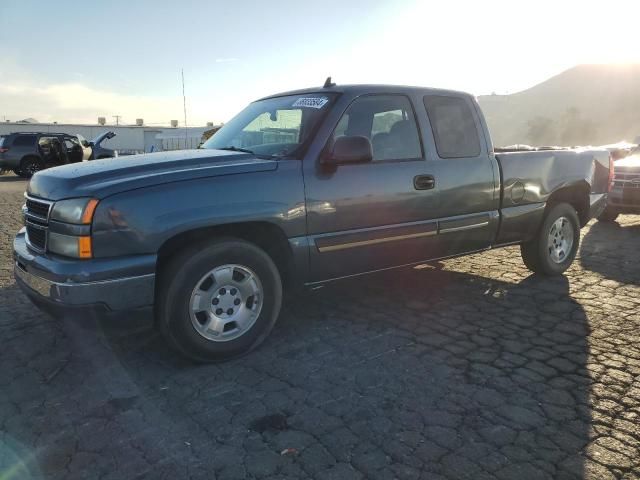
<point x="388" y="121"/>
<point x="454" y="127"/>
<point x="72" y="143"/>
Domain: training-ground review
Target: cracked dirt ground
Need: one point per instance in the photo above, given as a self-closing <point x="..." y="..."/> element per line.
<point x="472" y="369"/>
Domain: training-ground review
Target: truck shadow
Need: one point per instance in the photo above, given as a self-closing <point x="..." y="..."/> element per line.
<point x="611" y="249"/>
<point x="411" y="373"/>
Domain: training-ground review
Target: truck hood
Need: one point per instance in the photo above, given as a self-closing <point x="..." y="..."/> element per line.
<point x="630" y="161"/>
<point x="101" y="178"/>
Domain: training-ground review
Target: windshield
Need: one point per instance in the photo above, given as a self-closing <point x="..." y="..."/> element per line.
<point x="275" y="127"/>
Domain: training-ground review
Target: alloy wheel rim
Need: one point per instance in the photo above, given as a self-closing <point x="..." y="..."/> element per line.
<point x="226" y="302"/>
<point x="560" y="240"/>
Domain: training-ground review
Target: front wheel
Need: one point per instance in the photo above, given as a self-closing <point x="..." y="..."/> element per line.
<point x="219" y="300"/>
<point x="555" y="245"/>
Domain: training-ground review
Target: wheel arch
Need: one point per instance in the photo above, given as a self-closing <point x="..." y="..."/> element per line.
<point x="576" y="195"/>
<point x="268" y="236"/>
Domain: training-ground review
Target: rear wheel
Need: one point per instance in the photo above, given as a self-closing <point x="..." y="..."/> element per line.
<point x="608" y="215"/>
<point x="29" y="166"/>
<point x="555" y="246"/>
<point x="219" y="300"/>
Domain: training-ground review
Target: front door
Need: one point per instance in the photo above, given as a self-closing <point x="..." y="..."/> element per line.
<point x="379" y="214"/>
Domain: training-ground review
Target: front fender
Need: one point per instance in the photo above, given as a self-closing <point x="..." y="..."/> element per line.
<point x="140" y="221"/>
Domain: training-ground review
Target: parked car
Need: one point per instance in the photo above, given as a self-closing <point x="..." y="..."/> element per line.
<point x="28" y="152"/>
<point x="300" y="188"/>
<point x="625" y="192"/>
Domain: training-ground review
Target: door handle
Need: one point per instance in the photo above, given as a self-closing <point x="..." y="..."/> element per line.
<point x="424" y="182"/>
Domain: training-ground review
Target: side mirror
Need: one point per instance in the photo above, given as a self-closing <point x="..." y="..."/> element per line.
<point x="356" y="149"/>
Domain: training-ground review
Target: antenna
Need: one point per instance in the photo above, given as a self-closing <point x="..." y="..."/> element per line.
<point x="328" y="83"/>
<point x="184" y="106"/>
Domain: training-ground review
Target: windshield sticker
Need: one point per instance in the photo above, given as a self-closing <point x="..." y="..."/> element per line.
<point x="311" y="102"/>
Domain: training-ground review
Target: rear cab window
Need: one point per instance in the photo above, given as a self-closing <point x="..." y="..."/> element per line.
<point x="388" y="121"/>
<point x="454" y="127"/>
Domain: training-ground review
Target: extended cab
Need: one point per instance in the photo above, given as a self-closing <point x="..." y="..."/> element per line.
<point x="300" y="188"/>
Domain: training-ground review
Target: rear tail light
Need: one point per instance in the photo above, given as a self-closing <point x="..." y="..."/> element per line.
<point x="4" y="150"/>
<point x="610" y="182"/>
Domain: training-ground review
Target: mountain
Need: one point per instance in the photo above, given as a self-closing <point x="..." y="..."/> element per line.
<point x="585" y="105"/>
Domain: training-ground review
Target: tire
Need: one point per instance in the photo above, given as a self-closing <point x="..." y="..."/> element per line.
<point x="540" y="255"/>
<point x="608" y="215"/>
<point x="243" y="282"/>
<point x="29" y="166"/>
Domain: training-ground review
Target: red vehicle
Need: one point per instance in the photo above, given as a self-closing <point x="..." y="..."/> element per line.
<point x="624" y="196"/>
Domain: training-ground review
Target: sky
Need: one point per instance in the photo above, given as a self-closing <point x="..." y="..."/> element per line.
<point x="73" y="61"/>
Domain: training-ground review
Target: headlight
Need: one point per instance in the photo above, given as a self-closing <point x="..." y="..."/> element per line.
<point x="69" y="246"/>
<point x="76" y="210"/>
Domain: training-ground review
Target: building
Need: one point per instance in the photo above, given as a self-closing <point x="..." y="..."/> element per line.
<point x="128" y="139"/>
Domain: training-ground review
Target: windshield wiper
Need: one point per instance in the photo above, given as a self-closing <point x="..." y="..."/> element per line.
<point x="237" y="149"/>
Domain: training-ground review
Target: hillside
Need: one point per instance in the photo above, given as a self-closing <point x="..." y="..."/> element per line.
<point x="588" y="104"/>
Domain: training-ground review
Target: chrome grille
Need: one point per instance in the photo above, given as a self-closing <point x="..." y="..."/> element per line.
<point x="626" y="178"/>
<point x="36" y="219"/>
<point x="37" y="237"/>
<point x="38" y="208"/>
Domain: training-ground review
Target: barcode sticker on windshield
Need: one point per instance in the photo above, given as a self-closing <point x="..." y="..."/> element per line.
<point x="311" y="102"/>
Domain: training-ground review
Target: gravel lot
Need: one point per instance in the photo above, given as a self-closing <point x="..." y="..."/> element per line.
<point x="470" y="368"/>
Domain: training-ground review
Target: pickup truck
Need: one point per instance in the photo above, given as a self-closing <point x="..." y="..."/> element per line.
<point x="300" y="188"/>
<point x="624" y="196"/>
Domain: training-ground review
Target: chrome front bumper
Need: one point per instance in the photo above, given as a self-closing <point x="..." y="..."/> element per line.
<point x="117" y="294"/>
<point x="109" y="284"/>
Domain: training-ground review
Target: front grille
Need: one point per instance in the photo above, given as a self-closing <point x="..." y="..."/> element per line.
<point x="36" y="217"/>
<point x="38" y="208"/>
<point x="37" y="237"/>
<point x="626" y="179"/>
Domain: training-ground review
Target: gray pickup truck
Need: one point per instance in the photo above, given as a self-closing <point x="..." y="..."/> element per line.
<point x="300" y="188"/>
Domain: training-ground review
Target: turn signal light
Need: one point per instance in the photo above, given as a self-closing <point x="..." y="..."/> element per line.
<point x="84" y="247"/>
<point x="611" y="173"/>
<point x="89" y="210"/>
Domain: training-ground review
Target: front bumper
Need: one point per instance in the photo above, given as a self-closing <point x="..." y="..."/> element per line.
<point x="122" y="283"/>
<point x="623" y="203"/>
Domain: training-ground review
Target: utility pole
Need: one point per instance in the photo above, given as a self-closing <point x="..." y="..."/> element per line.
<point x="117" y="117"/>
<point x="184" y="106"/>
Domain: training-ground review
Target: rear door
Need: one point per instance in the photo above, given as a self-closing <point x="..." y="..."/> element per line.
<point x="466" y="176"/>
<point x="369" y="216"/>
